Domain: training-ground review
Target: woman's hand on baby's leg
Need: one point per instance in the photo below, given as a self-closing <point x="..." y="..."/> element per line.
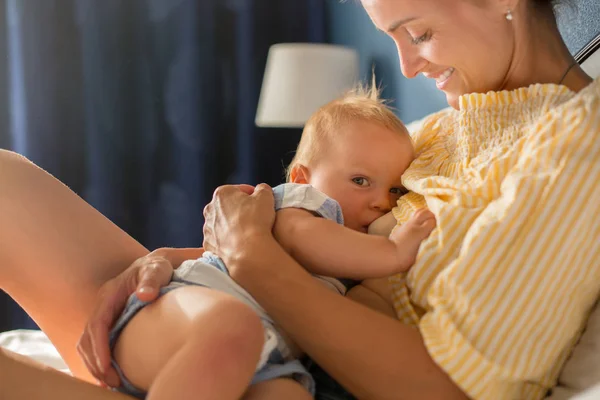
<point x="145" y="277"/>
<point x="408" y="236"/>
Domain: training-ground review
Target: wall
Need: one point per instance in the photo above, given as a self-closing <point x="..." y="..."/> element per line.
<point x="579" y="22"/>
<point x="349" y="25"/>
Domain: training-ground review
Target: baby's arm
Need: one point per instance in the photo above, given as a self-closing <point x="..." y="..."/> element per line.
<point x="326" y="248"/>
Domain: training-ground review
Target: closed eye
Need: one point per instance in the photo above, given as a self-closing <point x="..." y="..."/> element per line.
<point x="421" y="39"/>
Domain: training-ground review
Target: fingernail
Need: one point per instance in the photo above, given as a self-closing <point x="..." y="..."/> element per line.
<point x="145" y="289"/>
<point x="100" y="366"/>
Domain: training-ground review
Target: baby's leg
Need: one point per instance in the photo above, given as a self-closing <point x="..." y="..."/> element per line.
<point x="277" y="389"/>
<point x="191" y="343"/>
<point x="410" y="235"/>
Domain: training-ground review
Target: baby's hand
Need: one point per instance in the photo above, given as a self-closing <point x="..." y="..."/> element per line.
<point x="408" y="236"/>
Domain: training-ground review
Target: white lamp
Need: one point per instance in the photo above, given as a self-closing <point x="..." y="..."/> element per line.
<point x="300" y="78"/>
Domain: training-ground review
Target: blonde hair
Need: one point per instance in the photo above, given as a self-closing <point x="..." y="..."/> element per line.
<point x="362" y="103"/>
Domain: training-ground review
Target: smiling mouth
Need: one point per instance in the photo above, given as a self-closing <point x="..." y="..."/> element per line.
<point x="443" y="78"/>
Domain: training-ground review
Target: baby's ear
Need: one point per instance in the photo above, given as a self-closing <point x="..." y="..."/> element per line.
<point x="299" y="174"/>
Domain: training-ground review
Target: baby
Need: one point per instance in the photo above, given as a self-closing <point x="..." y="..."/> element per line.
<point x="346" y="174"/>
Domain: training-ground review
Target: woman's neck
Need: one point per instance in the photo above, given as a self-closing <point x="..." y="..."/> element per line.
<point x="541" y="56"/>
<point x="577" y="79"/>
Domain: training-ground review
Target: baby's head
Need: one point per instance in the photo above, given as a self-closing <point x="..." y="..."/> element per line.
<point x="355" y="150"/>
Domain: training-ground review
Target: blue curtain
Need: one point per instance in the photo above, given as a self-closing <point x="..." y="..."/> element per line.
<point x="144" y="107"/>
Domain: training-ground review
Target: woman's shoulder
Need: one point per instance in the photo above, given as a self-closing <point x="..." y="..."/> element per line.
<point x="582" y="107"/>
<point x="585" y="103"/>
<point x="592" y="90"/>
<point x="589" y="97"/>
<point x="567" y="129"/>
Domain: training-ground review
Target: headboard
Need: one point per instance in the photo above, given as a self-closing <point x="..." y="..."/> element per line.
<point x="589" y="57"/>
<point x="579" y="25"/>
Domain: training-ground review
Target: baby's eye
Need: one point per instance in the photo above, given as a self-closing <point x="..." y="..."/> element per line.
<point x="360" y="181"/>
<point x="400" y="191"/>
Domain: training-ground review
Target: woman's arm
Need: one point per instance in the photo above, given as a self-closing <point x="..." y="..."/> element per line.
<point x="326" y="248"/>
<point x="374" y="356"/>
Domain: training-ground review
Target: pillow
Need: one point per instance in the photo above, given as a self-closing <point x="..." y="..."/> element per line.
<point x="582" y="369"/>
<point x="592" y="394"/>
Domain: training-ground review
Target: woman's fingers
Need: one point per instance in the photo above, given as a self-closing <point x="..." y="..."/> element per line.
<point x="93" y="345"/>
<point x="235" y="214"/>
<point x="88" y="359"/>
<point x="144" y="277"/>
<point x="264" y="195"/>
<point x="248" y="189"/>
<point x="263" y="191"/>
<point x="153" y="275"/>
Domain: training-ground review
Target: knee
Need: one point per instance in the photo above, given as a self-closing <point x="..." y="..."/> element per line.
<point x="8" y="157"/>
<point x="11" y="162"/>
<point x="235" y="332"/>
<point x="237" y="323"/>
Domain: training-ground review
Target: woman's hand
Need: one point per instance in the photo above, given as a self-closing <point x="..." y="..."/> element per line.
<point x="145" y="277"/>
<point x="236" y="216"/>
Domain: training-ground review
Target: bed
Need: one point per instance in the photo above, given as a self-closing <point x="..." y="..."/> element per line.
<point x="579" y="380"/>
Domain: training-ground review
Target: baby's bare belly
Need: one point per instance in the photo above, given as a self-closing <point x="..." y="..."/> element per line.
<point x="375" y="294"/>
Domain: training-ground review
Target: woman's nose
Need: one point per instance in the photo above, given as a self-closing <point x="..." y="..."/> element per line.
<point x="411" y="63"/>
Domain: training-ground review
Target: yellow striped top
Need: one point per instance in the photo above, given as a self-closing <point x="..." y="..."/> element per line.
<point x="503" y="286"/>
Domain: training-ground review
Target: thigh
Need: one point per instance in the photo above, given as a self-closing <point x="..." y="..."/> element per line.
<point x="55" y="252"/>
<point x="277" y="389"/>
<point x="219" y="329"/>
<point x="24" y="378"/>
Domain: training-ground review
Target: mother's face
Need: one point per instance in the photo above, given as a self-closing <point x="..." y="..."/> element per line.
<point x="465" y="45"/>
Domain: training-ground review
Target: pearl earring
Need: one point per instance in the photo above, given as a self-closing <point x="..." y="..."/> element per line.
<point x="509" y="15"/>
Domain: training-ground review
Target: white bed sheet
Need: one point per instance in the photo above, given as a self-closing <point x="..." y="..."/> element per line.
<point x="34" y="344"/>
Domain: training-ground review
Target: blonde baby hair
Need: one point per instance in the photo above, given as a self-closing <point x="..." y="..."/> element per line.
<point x="362" y="103"/>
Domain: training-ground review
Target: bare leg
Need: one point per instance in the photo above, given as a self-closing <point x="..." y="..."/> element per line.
<point x="55" y="252"/>
<point x="23" y="378"/>
<point x="277" y="389"/>
<point x="192" y="343"/>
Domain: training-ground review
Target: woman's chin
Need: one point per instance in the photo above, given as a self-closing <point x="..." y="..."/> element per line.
<point x="452" y="99"/>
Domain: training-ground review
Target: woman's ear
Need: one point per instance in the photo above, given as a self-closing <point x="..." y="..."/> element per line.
<point x="299" y="174"/>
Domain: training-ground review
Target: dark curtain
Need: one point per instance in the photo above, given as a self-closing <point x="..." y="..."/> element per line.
<point x="144" y="107"/>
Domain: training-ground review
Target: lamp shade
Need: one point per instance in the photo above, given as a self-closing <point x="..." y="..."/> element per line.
<point x="301" y="77"/>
